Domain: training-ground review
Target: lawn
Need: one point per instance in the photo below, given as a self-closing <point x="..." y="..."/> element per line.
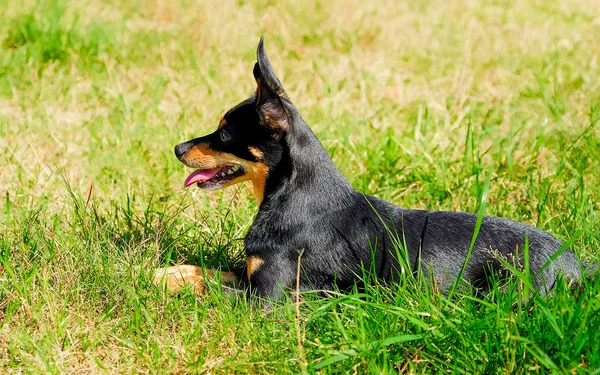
<point x="424" y="103"/>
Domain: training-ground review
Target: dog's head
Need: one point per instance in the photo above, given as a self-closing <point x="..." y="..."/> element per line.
<point x="248" y="141"/>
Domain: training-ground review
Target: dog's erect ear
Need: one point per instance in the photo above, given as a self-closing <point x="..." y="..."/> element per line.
<point x="269" y="93"/>
<point x="268" y="85"/>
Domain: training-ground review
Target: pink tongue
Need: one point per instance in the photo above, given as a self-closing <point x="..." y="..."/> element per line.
<point x="200" y="176"/>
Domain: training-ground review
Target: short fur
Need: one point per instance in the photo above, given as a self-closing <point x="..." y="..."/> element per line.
<point x="306" y="204"/>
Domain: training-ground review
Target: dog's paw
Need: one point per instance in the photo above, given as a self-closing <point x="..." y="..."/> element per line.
<point x="176" y="277"/>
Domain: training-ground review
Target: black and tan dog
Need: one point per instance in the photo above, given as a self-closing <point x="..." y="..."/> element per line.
<point x="307" y="205"/>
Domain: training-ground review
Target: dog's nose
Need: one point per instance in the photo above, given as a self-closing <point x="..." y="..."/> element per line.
<point x="181" y="149"/>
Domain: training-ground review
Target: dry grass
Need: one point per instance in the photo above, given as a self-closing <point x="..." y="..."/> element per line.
<point x="378" y="63"/>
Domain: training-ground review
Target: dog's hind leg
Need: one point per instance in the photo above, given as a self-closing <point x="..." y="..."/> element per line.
<point x="176" y="277"/>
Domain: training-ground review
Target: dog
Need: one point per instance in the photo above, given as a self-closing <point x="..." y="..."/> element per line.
<point x="308" y="208"/>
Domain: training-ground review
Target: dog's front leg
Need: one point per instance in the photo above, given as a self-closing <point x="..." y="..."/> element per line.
<point x="270" y="276"/>
<point x="176" y="277"/>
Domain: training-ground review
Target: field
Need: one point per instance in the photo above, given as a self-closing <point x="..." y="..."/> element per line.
<point x="423" y="103"/>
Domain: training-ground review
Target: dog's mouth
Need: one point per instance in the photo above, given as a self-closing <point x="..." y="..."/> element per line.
<point x="215" y="177"/>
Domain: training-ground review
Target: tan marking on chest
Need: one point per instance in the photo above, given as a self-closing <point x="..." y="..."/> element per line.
<point x="253" y="263"/>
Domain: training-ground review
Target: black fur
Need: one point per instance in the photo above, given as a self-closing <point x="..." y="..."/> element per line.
<point x="308" y="205"/>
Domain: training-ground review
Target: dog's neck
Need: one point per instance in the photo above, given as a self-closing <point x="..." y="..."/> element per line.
<point x="306" y="173"/>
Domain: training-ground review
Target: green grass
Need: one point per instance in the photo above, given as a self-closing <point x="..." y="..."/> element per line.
<point x="420" y="103"/>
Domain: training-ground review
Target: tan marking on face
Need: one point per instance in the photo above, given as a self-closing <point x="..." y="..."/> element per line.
<point x="222" y="121"/>
<point x="260" y="173"/>
<point x="257" y="153"/>
<point x="253" y="263"/>
<point x="202" y="157"/>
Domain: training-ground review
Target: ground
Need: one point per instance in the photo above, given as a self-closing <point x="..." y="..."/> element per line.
<point x="423" y="103"/>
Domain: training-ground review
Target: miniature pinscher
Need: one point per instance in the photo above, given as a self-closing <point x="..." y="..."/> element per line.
<point x="307" y="206"/>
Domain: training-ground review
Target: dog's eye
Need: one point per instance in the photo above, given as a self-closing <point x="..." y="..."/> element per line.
<point x="225" y="136"/>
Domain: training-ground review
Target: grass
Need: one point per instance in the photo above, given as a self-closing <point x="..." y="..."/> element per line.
<point x="421" y="103"/>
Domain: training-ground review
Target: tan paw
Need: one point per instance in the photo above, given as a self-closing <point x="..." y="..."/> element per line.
<point x="176" y="277"/>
